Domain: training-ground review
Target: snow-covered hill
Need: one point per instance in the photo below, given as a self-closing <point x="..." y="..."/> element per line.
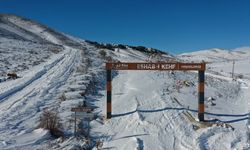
<point x="150" y="113"/>
<point x="149" y="110"/>
<point x="217" y="55"/>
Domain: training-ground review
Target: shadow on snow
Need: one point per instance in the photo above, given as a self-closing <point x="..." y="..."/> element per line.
<point x="246" y="115"/>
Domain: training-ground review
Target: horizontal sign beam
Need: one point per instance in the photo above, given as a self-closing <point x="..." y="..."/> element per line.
<point x="156" y="66"/>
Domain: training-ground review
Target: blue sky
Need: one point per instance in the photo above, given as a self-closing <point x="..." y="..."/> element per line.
<point x="173" y="25"/>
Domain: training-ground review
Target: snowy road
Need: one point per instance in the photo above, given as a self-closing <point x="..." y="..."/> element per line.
<point x="23" y="100"/>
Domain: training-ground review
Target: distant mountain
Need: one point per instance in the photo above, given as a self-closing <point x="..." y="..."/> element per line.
<point x="19" y="28"/>
<point x="216" y="54"/>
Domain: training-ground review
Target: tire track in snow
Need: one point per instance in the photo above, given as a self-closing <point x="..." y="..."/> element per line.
<point x="38" y="75"/>
<point x="20" y="99"/>
<point x="23" y="90"/>
<point x="175" y="128"/>
<point x="139" y="121"/>
<point x="37" y="95"/>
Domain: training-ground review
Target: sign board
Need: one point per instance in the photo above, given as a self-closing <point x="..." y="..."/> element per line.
<point x="191" y="66"/>
<point x="155" y="66"/>
<point x="82" y="109"/>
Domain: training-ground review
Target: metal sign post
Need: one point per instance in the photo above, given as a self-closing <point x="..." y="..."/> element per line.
<point x="75" y="125"/>
<point x="83" y="113"/>
<point x="200" y="67"/>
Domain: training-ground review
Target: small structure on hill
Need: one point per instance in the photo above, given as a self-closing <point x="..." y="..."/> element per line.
<point x="12" y="75"/>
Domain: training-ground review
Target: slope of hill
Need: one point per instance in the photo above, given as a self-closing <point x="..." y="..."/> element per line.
<point x="149" y="110"/>
<point x="150" y="113"/>
<point x="217" y="55"/>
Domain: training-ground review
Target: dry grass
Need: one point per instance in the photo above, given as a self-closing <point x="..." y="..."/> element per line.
<point x="103" y="53"/>
<point x="62" y="97"/>
<point x="82" y="69"/>
<point x="50" y="120"/>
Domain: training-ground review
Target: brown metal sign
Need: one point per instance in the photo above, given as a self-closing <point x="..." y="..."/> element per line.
<point x="155" y="66"/>
<point x="81" y="109"/>
<point x="192" y="66"/>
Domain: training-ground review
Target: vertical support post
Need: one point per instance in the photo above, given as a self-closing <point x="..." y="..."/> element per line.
<point x="233" y="70"/>
<point x="201" y="96"/>
<point x="75" y="125"/>
<point x="109" y="96"/>
<point x="88" y="126"/>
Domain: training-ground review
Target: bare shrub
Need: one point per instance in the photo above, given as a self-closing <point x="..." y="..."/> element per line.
<point x="72" y="89"/>
<point x="55" y="51"/>
<point x="109" y="59"/>
<point x="99" y="145"/>
<point x="91" y="87"/>
<point x="240" y="76"/>
<point x="120" y="46"/>
<point x="36" y="63"/>
<point x="103" y="53"/>
<point x="81" y="69"/>
<point x="88" y="62"/>
<point x="12" y="75"/>
<point x="50" y="120"/>
<point x="82" y="93"/>
<point x="62" y="97"/>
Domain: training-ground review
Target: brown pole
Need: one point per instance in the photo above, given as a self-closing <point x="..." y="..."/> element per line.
<point x="75" y="125"/>
<point x="109" y="94"/>
<point x="201" y="87"/>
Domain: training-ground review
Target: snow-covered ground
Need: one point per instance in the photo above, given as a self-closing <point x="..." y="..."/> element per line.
<point x="149" y="112"/>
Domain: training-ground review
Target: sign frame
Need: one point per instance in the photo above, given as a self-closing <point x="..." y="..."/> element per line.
<point x="156" y="66"/>
<point x="163" y="66"/>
